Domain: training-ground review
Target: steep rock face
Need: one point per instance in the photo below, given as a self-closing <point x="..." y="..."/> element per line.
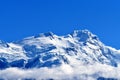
<point x="49" y="50"/>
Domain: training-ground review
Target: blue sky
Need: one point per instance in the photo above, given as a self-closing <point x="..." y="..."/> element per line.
<point x="22" y="18"/>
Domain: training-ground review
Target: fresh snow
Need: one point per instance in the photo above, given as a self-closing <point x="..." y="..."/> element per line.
<point x="78" y="55"/>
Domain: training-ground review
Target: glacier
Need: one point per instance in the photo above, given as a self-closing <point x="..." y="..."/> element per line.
<point x="79" y="55"/>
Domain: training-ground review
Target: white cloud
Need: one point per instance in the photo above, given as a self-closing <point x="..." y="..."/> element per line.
<point x="90" y="72"/>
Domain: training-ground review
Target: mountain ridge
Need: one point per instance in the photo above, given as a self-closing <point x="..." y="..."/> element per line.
<point x="51" y="51"/>
<point x="81" y="38"/>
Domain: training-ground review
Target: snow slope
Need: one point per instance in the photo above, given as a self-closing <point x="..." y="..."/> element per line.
<point x="69" y="54"/>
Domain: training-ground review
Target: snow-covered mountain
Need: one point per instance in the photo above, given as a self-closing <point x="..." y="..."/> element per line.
<point x="47" y="50"/>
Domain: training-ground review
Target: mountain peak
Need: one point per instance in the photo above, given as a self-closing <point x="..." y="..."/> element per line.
<point x="47" y="34"/>
<point x="78" y="33"/>
<point x="84" y="35"/>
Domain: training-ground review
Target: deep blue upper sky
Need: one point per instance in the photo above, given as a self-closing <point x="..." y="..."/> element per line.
<point x="22" y="18"/>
